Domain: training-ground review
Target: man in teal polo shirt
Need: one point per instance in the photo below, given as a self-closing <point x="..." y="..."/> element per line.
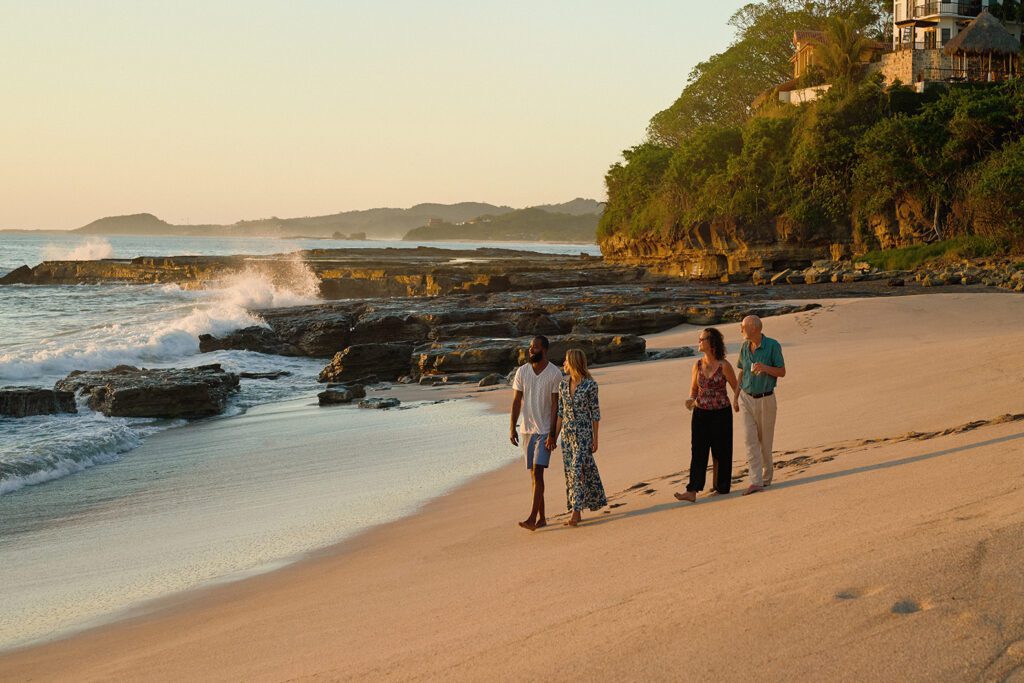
<point x="761" y="366"/>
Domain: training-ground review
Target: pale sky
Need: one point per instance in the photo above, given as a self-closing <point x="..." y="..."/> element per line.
<point x="215" y="111"/>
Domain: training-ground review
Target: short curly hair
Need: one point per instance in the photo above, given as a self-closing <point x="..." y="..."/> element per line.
<point x="717" y="342"/>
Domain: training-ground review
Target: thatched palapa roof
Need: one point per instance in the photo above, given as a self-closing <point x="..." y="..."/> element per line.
<point x="984" y="35"/>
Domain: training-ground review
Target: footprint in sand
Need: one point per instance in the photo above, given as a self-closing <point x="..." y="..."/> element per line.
<point x="616" y="505"/>
<point x="851" y="594"/>
<point x="906" y="607"/>
<point x="648" y="492"/>
<point x="639" y="485"/>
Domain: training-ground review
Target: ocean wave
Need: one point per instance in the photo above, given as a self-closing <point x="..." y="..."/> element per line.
<point x="164" y="326"/>
<point x="92" y="249"/>
<point x="263" y="285"/>
<point x="46" y="447"/>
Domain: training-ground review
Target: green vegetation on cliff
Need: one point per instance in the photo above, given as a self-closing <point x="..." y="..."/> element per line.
<point x="524" y="225"/>
<point x="865" y="167"/>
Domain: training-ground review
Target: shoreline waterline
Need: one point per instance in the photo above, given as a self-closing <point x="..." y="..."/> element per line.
<point x="142" y="532"/>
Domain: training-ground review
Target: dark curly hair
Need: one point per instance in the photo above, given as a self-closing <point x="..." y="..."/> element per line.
<point x="717" y="342"/>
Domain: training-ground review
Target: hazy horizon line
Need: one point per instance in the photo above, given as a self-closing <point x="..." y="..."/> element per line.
<point x="272" y="217"/>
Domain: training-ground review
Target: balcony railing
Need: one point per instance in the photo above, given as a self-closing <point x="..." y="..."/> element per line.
<point x="933" y="7"/>
<point x="912" y="46"/>
<point x="975" y="73"/>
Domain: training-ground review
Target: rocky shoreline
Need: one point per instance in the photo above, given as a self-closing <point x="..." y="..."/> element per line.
<point x="348" y="273"/>
<point x="450" y="316"/>
<point x="1003" y="273"/>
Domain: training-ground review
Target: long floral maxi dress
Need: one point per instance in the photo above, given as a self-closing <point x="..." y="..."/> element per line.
<point x="579" y="412"/>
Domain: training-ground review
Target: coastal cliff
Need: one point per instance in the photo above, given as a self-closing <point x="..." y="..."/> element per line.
<point x="721" y="248"/>
<point x="862" y="168"/>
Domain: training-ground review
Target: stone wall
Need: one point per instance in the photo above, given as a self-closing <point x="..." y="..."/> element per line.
<point x="912" y="66"/>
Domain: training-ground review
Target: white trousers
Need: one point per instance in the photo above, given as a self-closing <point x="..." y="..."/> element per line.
<point x="758" y="433"/>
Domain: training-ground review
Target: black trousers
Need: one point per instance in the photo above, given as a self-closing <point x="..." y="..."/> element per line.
<point x="710" y="430"/>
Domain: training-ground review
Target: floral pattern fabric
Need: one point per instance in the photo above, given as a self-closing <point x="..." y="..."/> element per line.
<point x="711" y="394"/>
<point x="579" y="411"/>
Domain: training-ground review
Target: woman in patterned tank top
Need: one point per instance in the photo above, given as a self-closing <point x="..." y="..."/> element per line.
<point x="711" y="423"/>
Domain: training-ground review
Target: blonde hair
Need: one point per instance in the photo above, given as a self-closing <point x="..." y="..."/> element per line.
<point x="577" y="361"/>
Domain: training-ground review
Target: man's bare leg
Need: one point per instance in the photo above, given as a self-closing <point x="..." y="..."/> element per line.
<point x="537" y="518"/>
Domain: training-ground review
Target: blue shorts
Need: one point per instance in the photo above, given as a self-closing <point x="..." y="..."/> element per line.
<point x="537" y="454"/>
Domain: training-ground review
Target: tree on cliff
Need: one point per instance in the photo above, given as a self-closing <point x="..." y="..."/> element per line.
<point x="719" y="91"/>
<point x="840" y="54"/>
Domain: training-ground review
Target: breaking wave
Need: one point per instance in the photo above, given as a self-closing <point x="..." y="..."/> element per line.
<point x="158" y="325"/>
<point x="92" y="249"/>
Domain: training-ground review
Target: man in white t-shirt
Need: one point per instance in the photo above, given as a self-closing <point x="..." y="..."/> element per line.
<point x="536" y="399"/>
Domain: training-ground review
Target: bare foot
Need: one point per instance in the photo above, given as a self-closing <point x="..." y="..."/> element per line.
<point x="574" y="520"/>
<point x="528" y="525"/>
<point x="542" y="523"/>
<point x="690" y="496"/>
<point x="753" y="488"/>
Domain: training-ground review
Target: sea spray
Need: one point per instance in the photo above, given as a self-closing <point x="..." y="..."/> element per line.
<point x="269" y="284"/>
<point x="92" y="249"/>
<point x="148" y="326"/>
<point x="156" y="325"/>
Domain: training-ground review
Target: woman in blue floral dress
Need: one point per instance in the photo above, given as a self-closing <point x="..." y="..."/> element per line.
<point x="578" y="419"/>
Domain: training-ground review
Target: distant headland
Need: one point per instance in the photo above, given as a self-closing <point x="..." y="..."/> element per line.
<point x="572" y="221"/>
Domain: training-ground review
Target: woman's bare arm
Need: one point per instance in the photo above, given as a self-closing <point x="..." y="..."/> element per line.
<point x="694" y="387"/>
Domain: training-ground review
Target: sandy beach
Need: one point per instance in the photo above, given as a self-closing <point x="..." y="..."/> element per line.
<point x="888" y="548"/>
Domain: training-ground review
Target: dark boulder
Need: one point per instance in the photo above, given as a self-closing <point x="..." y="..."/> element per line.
<point x="386" y="361"/>
<point x="126" y="391"/>
<point x="26" y="401"/>
<point x="376" y="328"/>
<point x="379" y="403"/>
<point x="255" y="338"/>
<point x="491" y="380"/>
<point x="276" y="374"/>
<point x="341" y="393"/>
<point x="19" y="276"/>
<point x="317" y="331"/>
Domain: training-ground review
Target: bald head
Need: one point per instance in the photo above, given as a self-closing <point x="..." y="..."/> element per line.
<point x="751" y="328"/>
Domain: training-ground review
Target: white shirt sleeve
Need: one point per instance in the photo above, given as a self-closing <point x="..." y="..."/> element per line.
<point x="517" y="381"/>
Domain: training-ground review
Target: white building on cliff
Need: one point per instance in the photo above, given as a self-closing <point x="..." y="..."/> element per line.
<point x="952" y="42"/>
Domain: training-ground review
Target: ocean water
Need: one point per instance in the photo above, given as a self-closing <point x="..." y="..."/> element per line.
<point x="46" y="332"/>
<point x="98" y="514"/>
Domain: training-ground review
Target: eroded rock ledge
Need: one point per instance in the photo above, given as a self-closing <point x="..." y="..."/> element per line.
<point x="27" y="401"/>
<point x="127" y="391"/>
<point x="390" y="338"/>
<point x="711" y="260"/>
<point x="348" y="273"/>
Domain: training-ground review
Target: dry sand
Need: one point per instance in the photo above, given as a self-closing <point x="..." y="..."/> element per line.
<point x="877" y="554"/>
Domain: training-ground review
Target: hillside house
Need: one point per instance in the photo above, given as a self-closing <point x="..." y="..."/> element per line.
<point x="808" y="81"/>
<point x="950" y="42"/>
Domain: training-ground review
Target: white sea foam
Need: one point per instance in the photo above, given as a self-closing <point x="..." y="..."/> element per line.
<point x="51" y="447"/>
<point x="164" y="327"/>
<point x="92" y="249"/>
<point x="269" y="285"/>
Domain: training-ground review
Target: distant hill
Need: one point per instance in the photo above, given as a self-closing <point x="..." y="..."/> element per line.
<point x="523" y="225"/>
<point x="383" y="223"/>
<point x="577" y="207"/>
<point x="134" y="224"/>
